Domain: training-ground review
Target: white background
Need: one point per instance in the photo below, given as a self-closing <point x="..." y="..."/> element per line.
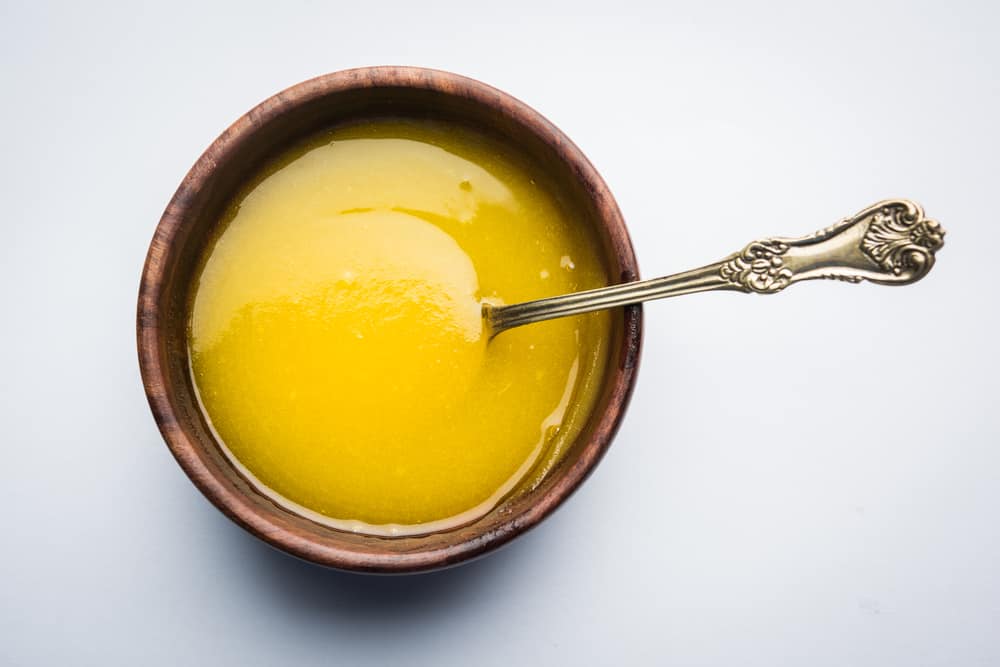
<point x="809" y="479"/>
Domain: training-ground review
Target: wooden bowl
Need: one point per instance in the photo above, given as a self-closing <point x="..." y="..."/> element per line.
<point x="187" y="225"/>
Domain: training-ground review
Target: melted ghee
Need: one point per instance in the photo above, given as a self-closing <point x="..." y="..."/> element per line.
<point x="336" y="336"/>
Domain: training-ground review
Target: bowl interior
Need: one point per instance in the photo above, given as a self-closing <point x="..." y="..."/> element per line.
<point x="190" y="221"/>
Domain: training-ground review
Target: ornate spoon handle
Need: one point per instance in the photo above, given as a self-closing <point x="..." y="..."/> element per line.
<point x="889" y="243"/>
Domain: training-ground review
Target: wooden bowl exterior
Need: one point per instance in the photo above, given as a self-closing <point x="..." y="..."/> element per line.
<point x="187" y="225"/>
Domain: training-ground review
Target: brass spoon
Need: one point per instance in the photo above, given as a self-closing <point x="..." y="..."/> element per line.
<point x="889" y="243"/>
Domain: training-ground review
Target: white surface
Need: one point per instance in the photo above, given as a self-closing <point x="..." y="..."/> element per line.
<point x="809" y="479"/>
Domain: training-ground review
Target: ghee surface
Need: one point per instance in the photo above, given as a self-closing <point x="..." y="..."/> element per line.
<point x="336" y="336"/>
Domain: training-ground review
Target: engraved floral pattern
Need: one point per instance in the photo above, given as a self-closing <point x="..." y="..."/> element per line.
<point x="759" y="267"/>
<point x="901" y="241"/>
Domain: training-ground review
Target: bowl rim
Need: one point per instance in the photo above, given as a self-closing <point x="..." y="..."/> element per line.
<point x="232" y="499"/>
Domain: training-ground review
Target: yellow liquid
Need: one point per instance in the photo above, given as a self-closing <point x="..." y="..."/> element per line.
<point x="336" y="338"/>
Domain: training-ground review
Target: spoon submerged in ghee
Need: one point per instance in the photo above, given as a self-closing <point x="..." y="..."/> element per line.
<point x="888" y="243"/>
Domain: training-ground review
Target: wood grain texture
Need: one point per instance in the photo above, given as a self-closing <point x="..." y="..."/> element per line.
<point x="187" y="225"/>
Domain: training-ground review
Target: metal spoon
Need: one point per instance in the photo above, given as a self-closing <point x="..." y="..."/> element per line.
<point x="889" y="243"/>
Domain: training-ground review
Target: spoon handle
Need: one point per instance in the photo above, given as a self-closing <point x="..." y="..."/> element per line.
<point x="889" y="243"/>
